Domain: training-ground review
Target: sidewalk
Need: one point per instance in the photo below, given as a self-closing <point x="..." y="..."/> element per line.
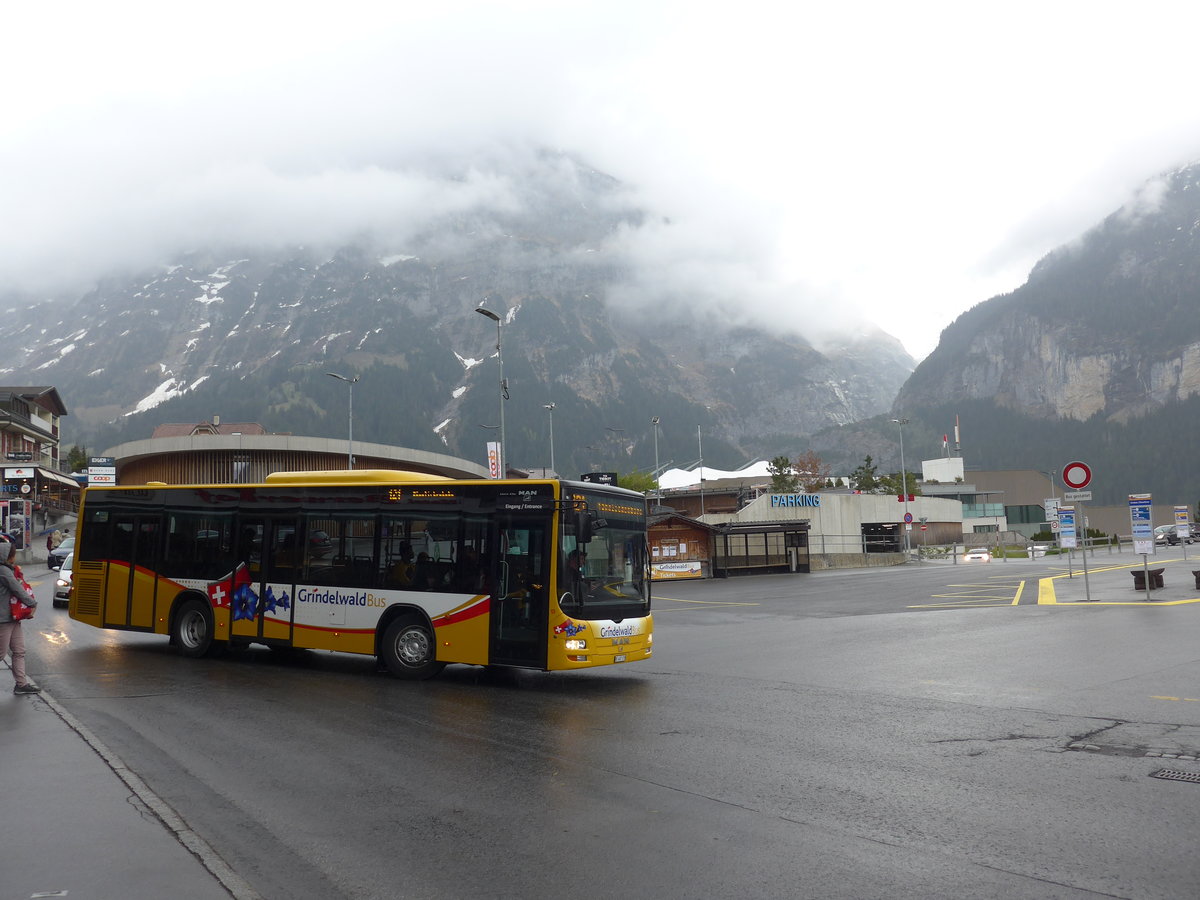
<point x="1109" y="580"/>
<point x="77" y="822"/>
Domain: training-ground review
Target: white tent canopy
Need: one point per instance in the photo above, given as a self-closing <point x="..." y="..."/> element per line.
<point x="683" y="478"/>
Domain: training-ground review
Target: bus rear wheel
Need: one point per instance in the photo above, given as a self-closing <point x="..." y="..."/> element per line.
<point x="192" y="630"/>
<point x="409" y="650"/>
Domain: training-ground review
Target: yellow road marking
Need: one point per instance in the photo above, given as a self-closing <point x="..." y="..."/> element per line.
<point x="1048" y="597"/>
<point x="976" y="595"/>
<point x="1183" y="699"/>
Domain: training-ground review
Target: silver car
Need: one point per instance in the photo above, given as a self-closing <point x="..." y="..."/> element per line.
<point x="62" y="584"/>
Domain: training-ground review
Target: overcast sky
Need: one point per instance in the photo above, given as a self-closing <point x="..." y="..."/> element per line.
<point x="896" y="163"/>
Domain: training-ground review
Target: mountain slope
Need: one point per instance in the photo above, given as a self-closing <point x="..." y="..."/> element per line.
<point x="1096" y="356"/>
<point x="250" y="333"/>
<point x="1107" y="326"/>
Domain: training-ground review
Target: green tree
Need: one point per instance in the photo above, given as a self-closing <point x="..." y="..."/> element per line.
<point x="642" y="482"/>
<point x="865" y="478"/>
<point x="891" y="484"/>
<point x="783" y="480"/>
<point x="77" y="459"/>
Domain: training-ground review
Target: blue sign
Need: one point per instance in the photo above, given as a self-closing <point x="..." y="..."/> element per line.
<point x="795" y="499"/>
<point x="1140" y="520"/>
<point x="1066" y="527"/>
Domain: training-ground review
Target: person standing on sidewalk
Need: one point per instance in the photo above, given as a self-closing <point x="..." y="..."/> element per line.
<point x="12" y="640"/>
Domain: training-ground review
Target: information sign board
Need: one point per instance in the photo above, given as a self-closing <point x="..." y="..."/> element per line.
<point x="1183" y="527"/>
<point x="599" y="477"/>
<point x="102" y="471"/>
<point x="1066" y="528"/>
<point x="1141" y="523"/>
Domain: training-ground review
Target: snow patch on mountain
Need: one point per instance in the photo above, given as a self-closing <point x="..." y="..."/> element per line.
<point x="161" y="394"/>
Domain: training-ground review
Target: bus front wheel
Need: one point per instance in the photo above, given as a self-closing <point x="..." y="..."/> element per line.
<point x="192" y="631"/>
<point x="409" y="650"/>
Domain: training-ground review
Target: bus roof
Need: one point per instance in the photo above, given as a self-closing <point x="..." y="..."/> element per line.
<point x="352" y="476"/>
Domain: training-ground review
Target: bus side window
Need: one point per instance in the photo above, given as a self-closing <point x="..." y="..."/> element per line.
<point x="95" y="548"/>
<point x="121" y="548"/>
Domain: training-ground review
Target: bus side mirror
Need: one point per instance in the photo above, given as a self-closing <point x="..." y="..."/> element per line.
<point x="586" y="526"/>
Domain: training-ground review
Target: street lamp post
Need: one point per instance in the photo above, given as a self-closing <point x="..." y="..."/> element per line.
<point x="350" y="406"/>
<point x="1053" y="489"/>
<point x="483" y="311"/>
<point x="657" y="489"/>
<point x="700" y="447"/>
<point x="549" y="407"/>
<point x="904" y="484"/>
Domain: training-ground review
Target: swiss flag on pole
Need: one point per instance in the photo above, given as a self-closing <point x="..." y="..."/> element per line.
<point x="220" y="593"/>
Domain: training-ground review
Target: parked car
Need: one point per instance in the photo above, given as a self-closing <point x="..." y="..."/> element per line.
<point x="56" y="556"/>
<point x="1169" y="534"/>
<point x="62" y="584"/>
<point x="979" y="554"/>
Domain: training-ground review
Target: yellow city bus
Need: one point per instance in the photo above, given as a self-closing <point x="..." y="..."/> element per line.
<point x="417" y="570"/>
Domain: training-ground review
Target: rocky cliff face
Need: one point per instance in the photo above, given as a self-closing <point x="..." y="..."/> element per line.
<point x="1039" y="368"/>
<point x="1109" y="326"/>
<point x="1095" y="357"/>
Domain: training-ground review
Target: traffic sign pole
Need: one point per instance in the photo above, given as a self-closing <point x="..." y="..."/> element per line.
<point x="1077" y="475"/>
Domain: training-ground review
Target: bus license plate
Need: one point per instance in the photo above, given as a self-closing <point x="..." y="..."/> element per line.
<point x="620" y="657"/>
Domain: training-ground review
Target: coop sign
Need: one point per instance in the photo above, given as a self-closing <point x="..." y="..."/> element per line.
<point x="795" y="499"/>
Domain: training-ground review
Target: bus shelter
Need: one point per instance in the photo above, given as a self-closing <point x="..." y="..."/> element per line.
<point x="757" y="548"/>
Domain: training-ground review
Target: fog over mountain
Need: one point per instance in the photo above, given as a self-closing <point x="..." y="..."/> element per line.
<point x="821" y="163"/>
<point x="249" y="331"/>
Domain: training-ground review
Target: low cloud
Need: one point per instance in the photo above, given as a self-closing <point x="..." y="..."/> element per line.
<point x="790" y="175"/>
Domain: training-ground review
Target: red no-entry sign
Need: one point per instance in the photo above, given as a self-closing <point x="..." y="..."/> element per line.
<point x="1077" y="475"/>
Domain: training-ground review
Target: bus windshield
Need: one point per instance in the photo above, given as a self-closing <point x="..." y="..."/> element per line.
<point x="604" y="563"/>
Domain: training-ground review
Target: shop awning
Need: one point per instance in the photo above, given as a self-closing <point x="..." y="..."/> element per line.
<point x="55" y="476"/>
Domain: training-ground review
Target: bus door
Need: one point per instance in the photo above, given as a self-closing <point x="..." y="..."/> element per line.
<point x="519" y="629"/>
<point x="271" y="552"/>
<point x="133" y="556"/>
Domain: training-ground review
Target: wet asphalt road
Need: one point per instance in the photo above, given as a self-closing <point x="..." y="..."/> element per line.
<point x="877" y="733"/>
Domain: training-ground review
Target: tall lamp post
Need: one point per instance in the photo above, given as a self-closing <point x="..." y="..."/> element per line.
<point x="350" y="406"/>
<point x="483" y="311"/>
<point x="1053" y="489"/>
<point x="549" y="407"/>
<point x="903" y="483"/>
<point x="700" y="447"/>
<point x="657" y="489"/>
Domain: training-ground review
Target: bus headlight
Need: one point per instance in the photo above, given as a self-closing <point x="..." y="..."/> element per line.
<point x="650" y="638"/>
<point x="576" y="644"/>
